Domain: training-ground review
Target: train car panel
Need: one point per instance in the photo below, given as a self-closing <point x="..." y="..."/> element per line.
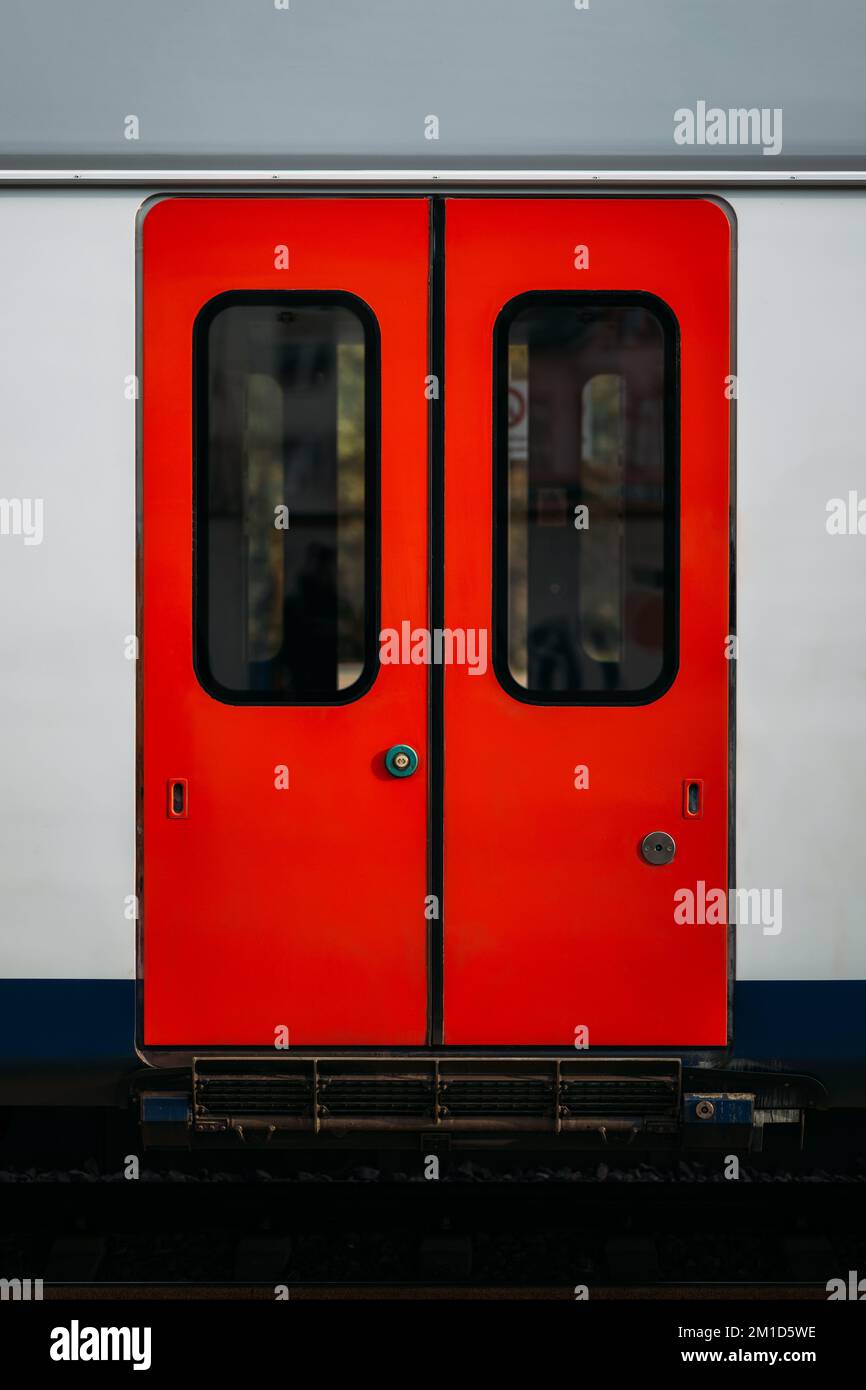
<point x="270" y="918"/>
<point x="67" y="943"/>
<point x="586" y="779"/>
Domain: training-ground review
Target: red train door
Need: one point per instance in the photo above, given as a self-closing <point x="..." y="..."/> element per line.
<point x="284" y="510"/>
<point x="586" y="768"/>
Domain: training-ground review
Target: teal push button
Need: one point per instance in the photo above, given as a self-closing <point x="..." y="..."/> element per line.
<point x="401" y="760"/>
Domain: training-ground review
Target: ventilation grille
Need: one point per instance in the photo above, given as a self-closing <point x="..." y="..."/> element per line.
<point x="491" y="1096"/>
<point x="287" y="1095"/>
<point x="313" y="1094"/>
<point x="361" y="1095"/>
<point x="611" y="1098"/>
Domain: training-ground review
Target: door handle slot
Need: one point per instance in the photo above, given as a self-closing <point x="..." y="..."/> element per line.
<point x="693" y="798"/>
<point x="177" y="798"/>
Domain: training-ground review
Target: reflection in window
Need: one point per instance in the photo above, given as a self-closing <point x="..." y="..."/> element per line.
<point x="586" y="564"/>
<point x="602" y="553"/>
<point x="282" y="499"/>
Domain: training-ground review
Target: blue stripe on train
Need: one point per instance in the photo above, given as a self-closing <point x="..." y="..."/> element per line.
<point x="45" y="1019"/>
<point x="55" y="1019"/>
<point x="800" y="1018"/>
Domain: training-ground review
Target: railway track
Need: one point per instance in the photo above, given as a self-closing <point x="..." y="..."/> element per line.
<point x="808" y="1292"/>
<point x="497" y="1234"/>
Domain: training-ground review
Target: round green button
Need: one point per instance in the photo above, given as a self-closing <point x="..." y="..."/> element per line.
<point x="401" y="760"/>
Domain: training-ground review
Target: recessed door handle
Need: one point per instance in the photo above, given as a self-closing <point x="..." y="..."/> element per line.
<point x="178" y="798"/>
<point x="693" y="798"/>
<point x="401" y="760"/>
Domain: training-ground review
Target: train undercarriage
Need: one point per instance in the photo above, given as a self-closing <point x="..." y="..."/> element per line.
<point x="444" y="1100"/>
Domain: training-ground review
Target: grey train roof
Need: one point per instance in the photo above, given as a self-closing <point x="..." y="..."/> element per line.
<point x="513" y="84"/>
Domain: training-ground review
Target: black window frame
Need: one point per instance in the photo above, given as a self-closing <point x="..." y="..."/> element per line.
<point x="372" y="489"/>
<point x="667" y="320"/>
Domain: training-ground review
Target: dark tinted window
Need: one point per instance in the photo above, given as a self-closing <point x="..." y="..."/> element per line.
<point x="285" y="488"/>
<point x="585" y="563"/>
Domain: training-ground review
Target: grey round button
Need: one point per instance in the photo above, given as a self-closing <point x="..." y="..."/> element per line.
<point x="658" y="847"/>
